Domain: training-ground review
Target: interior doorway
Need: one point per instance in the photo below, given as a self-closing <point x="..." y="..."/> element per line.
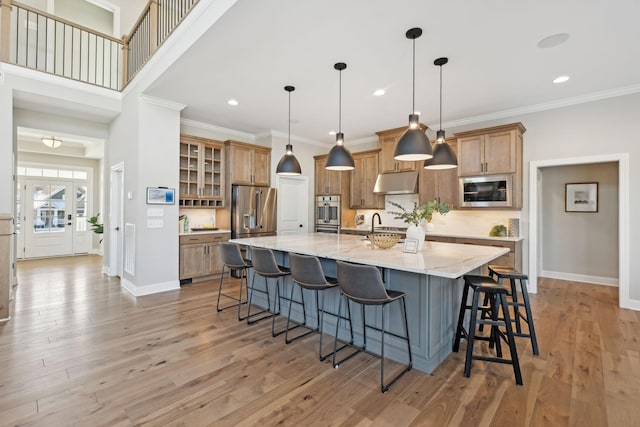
<point x="115" y="228"/>
<point x="293" y="204"/>
<point x="535" y="219"/>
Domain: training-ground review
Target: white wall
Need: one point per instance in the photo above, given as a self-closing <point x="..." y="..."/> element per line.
<point x="578" y="244"/>
<point x="597" y="128"/>
<point x="89" y="15"/>
<point x="7" y="139"/>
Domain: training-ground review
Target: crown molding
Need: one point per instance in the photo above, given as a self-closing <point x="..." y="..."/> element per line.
<point x="231" y="133"/>
<point x="152" y="100"/>
<point x="561" y="103"/>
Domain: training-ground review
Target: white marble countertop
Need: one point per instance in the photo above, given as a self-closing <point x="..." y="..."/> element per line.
<point x="191" y="233"/>
<point x="460" y="235"/>
<point x="448" y="260"/>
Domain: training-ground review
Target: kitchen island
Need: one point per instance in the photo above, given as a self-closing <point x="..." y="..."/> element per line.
<point x="430" y="279"/>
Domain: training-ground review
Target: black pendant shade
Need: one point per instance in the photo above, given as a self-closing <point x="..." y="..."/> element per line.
<point x="443" y="155"/>
<point x="288" y="164"/>
<point x="414" y="144"/>
<point x="339" y="158"/>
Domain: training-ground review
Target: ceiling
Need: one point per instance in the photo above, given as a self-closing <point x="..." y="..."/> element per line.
<point x="495" y="66"/>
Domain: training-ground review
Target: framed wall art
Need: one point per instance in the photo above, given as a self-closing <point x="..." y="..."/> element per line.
<point x="581" y="197"/>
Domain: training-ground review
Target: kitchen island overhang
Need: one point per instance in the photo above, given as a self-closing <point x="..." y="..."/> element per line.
<point x="429" y="278"/>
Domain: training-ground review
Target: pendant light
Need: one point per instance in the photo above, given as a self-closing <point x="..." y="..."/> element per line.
<point x="443" y="155"/>
<point x="414" y="144"/>
<point x="51" y="141"/>
<point x="339" y="158"/>
<point x="288" y="164"/>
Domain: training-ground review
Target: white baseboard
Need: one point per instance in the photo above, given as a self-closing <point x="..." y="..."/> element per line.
<point x="607" y="281"/>
<point x="138" y="291"/>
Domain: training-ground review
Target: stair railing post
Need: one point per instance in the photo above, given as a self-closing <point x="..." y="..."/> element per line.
<point x="153" y="26"/>
<point x="125" y="61"/>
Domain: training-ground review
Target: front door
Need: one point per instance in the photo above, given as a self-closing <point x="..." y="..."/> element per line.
<point x="49" y="218"/>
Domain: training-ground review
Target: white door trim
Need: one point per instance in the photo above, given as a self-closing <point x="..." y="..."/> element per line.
<point x="624" y="299"/>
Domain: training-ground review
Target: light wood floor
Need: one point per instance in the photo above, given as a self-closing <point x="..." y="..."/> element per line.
<point x="81" y="351"/>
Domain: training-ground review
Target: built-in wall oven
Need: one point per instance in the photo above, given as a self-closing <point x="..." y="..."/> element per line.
<point x="486" y="191"/>
<point x="327" y="214"/>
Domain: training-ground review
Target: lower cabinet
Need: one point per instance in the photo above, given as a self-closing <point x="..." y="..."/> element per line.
<point x="199" y="254"/>
<point x="512" y="259"/>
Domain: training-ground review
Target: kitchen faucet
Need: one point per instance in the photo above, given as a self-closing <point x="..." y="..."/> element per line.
<point x="373" y="217"/>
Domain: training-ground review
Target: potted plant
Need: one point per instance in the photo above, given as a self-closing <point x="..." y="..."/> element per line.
<point x="96" y="226"/>
<point x="416" y="216"/>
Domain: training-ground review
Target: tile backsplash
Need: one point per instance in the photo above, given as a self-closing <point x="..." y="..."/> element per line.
<point x="477" y="222"/>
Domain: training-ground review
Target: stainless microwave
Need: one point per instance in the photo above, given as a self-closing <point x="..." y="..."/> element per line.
<point x="489" y="191"/>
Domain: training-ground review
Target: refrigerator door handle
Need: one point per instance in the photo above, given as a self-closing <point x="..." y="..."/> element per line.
<point x="259" y="208"/>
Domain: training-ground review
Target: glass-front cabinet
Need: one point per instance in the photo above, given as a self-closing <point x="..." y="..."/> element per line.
<point x="201" y="172"/>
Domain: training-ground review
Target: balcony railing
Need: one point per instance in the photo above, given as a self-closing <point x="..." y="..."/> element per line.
<point x="37" y="40"/>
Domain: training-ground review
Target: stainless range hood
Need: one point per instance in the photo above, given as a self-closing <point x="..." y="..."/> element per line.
<point x="397" y="183"/>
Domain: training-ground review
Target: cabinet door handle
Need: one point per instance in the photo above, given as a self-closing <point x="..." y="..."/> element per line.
<point x="481" y="167"/>
<point x="486" y="167"/>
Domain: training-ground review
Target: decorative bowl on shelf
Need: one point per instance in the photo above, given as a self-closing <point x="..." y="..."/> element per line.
<point x="384" y="240"/>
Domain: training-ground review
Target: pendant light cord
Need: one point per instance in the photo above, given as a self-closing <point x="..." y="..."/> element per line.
<point x="289" y="139"/>
<point x="440" y="97"/>
<point x="413" y="96"/>
<point x="340" y="103"/>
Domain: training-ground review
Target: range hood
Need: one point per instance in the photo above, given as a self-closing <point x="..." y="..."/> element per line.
<point x="397" y="183"/>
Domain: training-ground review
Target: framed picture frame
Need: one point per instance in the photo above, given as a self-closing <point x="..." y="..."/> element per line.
<point x="411" y="246"/>
<point x="581" y="197"/>
<point x="160" y="196"/>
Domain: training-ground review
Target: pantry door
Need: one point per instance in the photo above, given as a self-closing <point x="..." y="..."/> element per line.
<point x="49" y="218"/>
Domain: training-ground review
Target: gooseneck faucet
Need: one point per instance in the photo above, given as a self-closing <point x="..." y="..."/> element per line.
<point x="373" y="217"/>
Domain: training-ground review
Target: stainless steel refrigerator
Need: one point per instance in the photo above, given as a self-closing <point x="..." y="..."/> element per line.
<point x="253" y="211"/>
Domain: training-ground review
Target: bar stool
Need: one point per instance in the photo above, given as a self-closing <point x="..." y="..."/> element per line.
<point x="265" y="265"/>
<point x="512" y="300"/>
<point x="307" y="273"/>
<point x="495" y="294"/>
<point x="232" y="260"/>
<point x="363" y="284"/>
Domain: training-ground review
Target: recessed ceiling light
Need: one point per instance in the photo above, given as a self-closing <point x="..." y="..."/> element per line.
<point x="561" y="79"/>
<point x="379" y="92"/>
<point x="232" y="102"/>
<point x="333" y="132"/>
<point x="553" y="40"/>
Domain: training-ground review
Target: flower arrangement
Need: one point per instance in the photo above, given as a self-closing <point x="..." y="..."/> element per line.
<point x="419" y="212"/>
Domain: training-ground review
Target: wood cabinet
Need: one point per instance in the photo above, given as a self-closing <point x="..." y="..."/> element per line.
<point x="201" y="172"/>
<point x="440" y="184"/>
<point x="199" y="254"/>
<point x="328" y="182"/>
<point x="491" y="151"/>
<point x="512" y="259"/>
<point x="363" y="179"/>
<point x="387" y="141"/>
<point x="248" y="164"/>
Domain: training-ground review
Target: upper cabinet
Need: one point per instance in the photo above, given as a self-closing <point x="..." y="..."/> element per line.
<point x="440" y="184"/>
<point x="248" y="164"/>
<point x="363" y="179"/>
<point x="490" y="151"/>
<point x="328" y="182"/>
<point x="201" y="172"/>
<point x="387" y="141"/>
<point x="493" y="151"/>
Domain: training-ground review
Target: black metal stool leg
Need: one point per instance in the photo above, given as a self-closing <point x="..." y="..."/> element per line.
<point x="511" y="338"/>
<point x="460" y="332"/>
<point x="514" y="297"/>
<point x="527" y="307"/>
<point x="472" y="333"/>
